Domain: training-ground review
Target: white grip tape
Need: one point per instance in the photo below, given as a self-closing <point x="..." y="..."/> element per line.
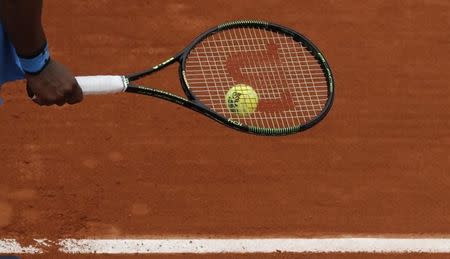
<point x="91" y="85"/>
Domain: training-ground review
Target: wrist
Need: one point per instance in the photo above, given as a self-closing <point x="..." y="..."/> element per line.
<point x="36" y="63"/>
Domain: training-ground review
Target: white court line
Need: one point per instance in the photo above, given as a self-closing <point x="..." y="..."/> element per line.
<point x="244" y="245"/>
<point x="11" y="246"/>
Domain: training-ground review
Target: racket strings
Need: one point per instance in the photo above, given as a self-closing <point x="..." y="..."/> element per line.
<point x="289" y="81"/>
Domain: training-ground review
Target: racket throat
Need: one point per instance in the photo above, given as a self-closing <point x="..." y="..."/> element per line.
<point x="136" y="76"/>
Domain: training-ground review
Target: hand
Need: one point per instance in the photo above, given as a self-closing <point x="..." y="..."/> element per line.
<point x="53" y="85"/>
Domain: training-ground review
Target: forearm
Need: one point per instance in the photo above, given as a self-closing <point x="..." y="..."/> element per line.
<point x="22" y="22"/>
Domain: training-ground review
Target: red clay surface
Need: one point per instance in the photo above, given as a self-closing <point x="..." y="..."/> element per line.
<point x="125" y="165"/>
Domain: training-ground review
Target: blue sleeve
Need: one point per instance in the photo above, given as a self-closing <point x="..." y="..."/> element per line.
<point x="10" y="69"/>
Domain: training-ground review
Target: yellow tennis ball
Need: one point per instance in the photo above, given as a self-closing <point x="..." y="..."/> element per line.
<point x="242" y="100"/>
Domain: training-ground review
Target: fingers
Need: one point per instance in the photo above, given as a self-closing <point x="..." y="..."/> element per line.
<point x="36" y="100"/>
<point x="75" y="95"/>
<point x="49" y="100"/>
<point x="59" y="100"/>
<point x="54" y="85"/>
<point x="69" y="93"/>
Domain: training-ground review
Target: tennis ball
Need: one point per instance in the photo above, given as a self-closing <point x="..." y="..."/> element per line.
<point x="241" y="99"/>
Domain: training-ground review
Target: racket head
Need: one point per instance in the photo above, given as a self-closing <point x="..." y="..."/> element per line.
<point x="290" y="75"/>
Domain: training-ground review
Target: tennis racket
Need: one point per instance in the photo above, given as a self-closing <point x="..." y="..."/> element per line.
<point x="253" y="76"/>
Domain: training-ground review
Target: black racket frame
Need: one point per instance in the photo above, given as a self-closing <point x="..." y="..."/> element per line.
<point x="193" y="103"/>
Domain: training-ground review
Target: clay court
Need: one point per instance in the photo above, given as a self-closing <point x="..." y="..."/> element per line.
<point x="130" y="166"/>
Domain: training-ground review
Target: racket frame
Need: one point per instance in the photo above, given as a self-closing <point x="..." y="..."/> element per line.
<point x="193" y="103"/>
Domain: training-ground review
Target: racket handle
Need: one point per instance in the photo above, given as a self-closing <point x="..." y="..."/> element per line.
<point x="91" y="85"/>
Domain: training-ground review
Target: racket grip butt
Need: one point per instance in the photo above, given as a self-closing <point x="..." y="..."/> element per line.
<point x="94" y="85"/>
